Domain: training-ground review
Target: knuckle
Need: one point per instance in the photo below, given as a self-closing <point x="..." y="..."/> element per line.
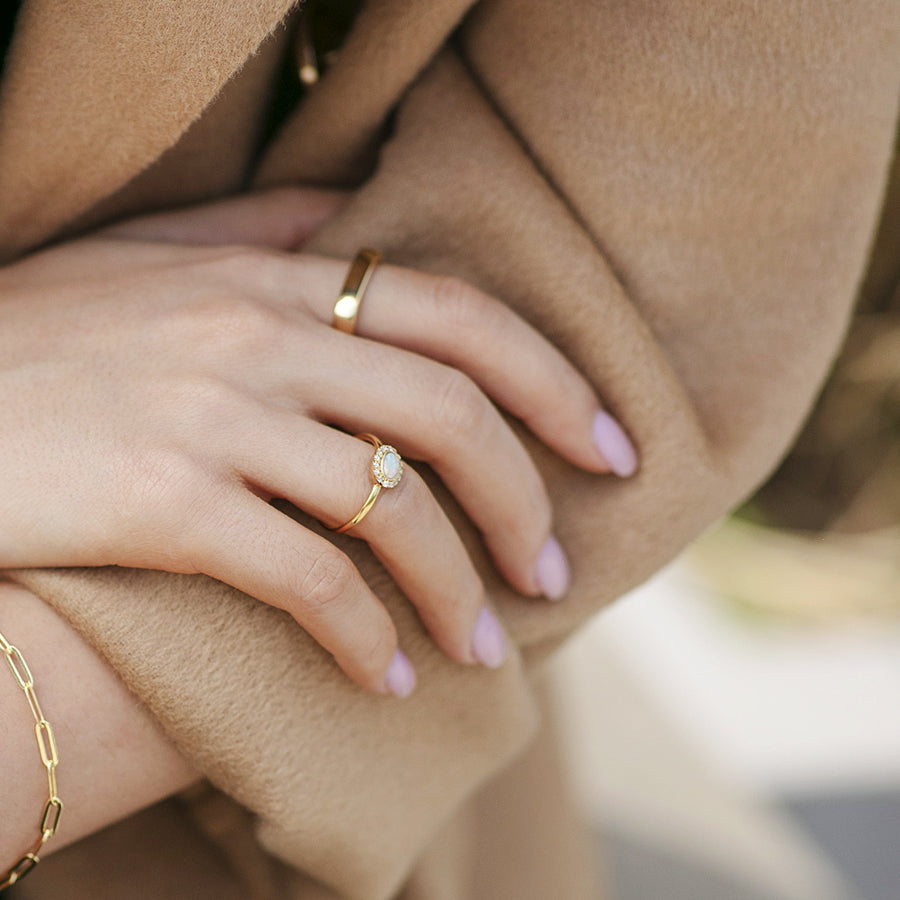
<point x="161" y="473"/>
<point x="205" y="392"/>
<point x="327" y="581"/>
<point x="238" y="315"/>
<point x="460" y="408"/>
<point x="160" y="494"/>
<point x="193" y="403"/>
<point x="224" y="325"/>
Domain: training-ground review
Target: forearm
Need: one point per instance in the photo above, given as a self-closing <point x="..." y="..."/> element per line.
<point x="114" y="759"/>
<point x="710" y="343"/>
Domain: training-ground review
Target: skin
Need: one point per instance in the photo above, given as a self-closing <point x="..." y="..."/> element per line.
<point x="198" y="346"/>
<point x="212" y="381"/>
<point x="114" y="760"/>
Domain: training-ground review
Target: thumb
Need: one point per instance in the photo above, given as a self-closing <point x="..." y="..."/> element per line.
<point x="282" y="218"/>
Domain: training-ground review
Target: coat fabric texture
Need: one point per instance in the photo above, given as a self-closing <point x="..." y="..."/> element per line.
<point x="680" y="194"/>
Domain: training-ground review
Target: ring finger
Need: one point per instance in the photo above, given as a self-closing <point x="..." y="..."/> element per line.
<point x="441" y="416"/>
<point x="406" y="528"/>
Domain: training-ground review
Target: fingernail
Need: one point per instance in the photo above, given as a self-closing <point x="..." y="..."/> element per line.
<point x="400" y="679"/>
<point x="488" y="640"/>
<point x="613" y="444"/>
<point x="552" y="570"/>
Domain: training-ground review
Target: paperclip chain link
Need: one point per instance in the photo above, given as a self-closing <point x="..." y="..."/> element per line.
<point x="46" y="742"/>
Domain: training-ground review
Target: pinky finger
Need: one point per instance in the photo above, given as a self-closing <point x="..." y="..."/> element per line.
<point x="267" y="555"/>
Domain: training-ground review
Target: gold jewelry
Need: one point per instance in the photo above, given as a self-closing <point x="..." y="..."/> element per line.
<point x="386" y="471"/>
<point x="307" y="63"/>
<point x="49" y="757"/>
<point x="347" y="307"/>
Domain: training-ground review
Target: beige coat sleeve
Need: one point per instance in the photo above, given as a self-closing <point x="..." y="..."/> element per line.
<point x="681" y="196"/>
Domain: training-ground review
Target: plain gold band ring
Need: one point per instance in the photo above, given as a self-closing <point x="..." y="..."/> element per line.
<point x="386" y="470"/>
<point x="360" y="273"/>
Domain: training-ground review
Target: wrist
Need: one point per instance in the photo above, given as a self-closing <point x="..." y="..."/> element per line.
<point x="115" y="760"/>
<point x="44" y="825"/>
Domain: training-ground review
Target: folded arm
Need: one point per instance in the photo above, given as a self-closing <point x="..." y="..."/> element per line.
<point x="681" y="197"/>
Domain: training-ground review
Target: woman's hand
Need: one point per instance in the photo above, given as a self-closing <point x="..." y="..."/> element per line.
<point x="156" y="395"/>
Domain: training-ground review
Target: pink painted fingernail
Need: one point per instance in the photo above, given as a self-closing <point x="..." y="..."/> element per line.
<point x="613" y="445"/>
<point x="400" y="679"/>
<point x="488" y="640"/>
<point x="552" y="570"/>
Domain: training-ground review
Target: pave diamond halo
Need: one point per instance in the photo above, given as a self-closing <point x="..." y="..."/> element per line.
<point x="387" y="466"/>
<point x="386" y="470"/>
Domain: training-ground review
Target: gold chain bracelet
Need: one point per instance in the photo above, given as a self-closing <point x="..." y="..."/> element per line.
<point x="49" y="757"/>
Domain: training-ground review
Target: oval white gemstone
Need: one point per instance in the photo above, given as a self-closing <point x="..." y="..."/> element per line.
<point x="390" y="465"/>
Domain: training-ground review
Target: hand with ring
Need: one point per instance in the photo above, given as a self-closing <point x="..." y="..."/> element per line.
<point x="162" y="381"/>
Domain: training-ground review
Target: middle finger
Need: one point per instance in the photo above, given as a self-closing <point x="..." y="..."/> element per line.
<point x="439" y="415"/>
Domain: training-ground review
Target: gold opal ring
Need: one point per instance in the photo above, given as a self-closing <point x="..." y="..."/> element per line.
<point x="385" y="470"/>
<point x="358" y="276"/>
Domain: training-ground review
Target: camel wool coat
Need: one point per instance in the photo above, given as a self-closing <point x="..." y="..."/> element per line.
<point x="680" y="194"/>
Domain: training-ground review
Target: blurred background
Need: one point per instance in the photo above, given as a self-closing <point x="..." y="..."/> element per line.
<point x="733" y="726"/>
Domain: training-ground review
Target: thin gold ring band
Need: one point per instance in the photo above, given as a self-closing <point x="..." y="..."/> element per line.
<point x="358" y="276"/>
<point x="385" y="470"/>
